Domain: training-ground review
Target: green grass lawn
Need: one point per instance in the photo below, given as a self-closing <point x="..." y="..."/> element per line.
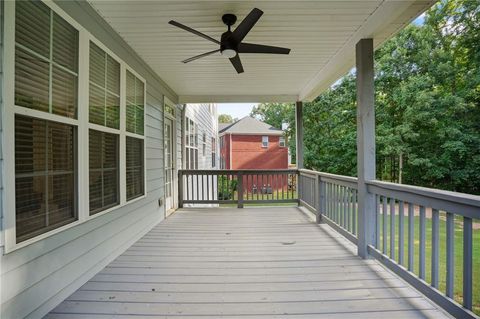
<point x="275" y="195"/>
<point x="458" y="273"/>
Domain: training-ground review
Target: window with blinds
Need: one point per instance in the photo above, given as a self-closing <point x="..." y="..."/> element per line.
<point x="104" y="91"/>
<point x="104" y="171"/>
<point x="135" y="168"/>
<point x="46" y="76"/>
<point x="191" y="144"/>
<point x="46" y="60"/>
<point x="44" y="176"/>
<point x="135" y="104"/>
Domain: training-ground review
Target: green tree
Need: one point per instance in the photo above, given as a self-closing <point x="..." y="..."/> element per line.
<point x="225" y="118"/>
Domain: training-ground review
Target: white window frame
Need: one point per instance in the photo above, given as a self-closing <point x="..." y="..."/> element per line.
<point x="189" y="143"/>
<point x="204" y="144"/>
<point x="123" y="116"/>
<point x="82" y="130"/>
<point x="282" y="142"/>
<point x="265" y="143"/>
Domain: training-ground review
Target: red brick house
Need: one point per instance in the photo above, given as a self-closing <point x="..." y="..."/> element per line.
<point x="252" y="144"/>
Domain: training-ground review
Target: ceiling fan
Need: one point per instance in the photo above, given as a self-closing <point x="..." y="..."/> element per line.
<point x="231" y="41"/>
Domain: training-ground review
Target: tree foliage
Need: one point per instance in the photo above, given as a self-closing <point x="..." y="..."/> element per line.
<point x="225" y="118"/>
<point x="427" y="86"/>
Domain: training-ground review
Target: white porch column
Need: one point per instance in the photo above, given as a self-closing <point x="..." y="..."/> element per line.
<point x="365" y="144"/>
<point x="299" y="133"/>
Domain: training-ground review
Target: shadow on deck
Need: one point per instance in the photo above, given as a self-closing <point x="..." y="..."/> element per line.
<point x="244" y="263"/>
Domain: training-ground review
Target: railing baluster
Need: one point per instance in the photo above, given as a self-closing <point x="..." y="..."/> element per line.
<point x="392" y="228"/>
<point x="337" y="204"/>
<point x="198" y="188"/>
<point x="350" y="210"/>
<point x="344" y="206"/>
<point x="384" y="212"/>
<point x="435" y="246"/>
<point x="422" y="244"/>
<point x="411" y="227"/>
<point x="354" y="218"/>
<point x="377" y="221"/>
<point x="467" y="262"/>
<point x="450" y="233"/>
<point x="401" y="237"/>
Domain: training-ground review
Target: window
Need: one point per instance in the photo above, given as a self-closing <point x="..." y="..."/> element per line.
<point x="135" y="168"/>
<point x="48" y="130"/>
<point x="44" y="176"/>
<point x="104" y="110"/>
<point x="168" y="109"/>
<point x="265" y="141"/>
<point x="204" y="144"/>
<point x="191" y="144"/>
<point x="135" y="142"/>
<point x="135" y="104"/>
<point x="46" y="60"/>
<point x="104" y="89"/>
<point x="104" y="170"/>
<point x="282" y="141"/>
<point x="214" y="151"/>
<point x="46" y="66"/>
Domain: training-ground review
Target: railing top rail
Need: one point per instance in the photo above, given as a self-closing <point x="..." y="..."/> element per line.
<point x="344" y="178"/>
<point x="236" y="171"/>
<point x="460" y="203"/>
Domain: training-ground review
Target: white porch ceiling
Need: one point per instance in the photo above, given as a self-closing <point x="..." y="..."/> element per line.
<point x="321" y="34"/>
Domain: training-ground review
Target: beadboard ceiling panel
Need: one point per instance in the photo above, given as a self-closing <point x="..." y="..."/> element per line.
<point x="321" y="35"/>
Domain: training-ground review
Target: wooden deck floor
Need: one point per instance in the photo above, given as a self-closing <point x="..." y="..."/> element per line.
<point x="250" y="263"/>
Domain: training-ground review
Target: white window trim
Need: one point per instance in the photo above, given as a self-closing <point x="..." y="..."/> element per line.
<point x="263" y="142"/>
<point x="194" y="146"/>
<point x="81" y="123"/>
<point x="280" y="142"/>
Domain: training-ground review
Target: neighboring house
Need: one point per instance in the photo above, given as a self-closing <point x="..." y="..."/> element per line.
<point x="200" y="125"/>
<point x="201" y="137"/>
<point x="252" y="144"/>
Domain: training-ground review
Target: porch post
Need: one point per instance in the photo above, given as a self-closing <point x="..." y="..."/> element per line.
<point x="365" y="144"/>
<point x="299" y="135"/>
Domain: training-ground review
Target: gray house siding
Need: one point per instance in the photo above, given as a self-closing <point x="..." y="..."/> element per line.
<point x="37" y="277"/>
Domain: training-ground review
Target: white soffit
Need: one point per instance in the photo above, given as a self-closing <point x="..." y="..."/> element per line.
<point x="321" y="34"/>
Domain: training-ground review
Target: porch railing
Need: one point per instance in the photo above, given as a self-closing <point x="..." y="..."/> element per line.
<point x="238" y="187"/>
<point x="418" y="232"/>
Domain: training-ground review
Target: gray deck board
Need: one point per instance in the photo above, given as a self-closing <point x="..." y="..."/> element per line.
<point x="250" y="263"/>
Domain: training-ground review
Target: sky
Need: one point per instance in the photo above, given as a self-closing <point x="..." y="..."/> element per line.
<point x="236" y="110"/>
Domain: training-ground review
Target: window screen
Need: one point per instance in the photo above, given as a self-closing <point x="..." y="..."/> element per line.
<point x="104" y="91"/>
<point x="104" y="184"/>
<point x="135" y="104"/>
<point x="135" y="168"/>
<point x="44" y="176"/>
<point x="46" y="60"/>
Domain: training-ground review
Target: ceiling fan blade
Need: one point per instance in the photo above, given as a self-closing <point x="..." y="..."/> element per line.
<point x="260" y="48"/>
<point x="246" y="25"/>
<point x="200" y="56"/>
<point x="237" y="64"/>
<point x="200" y="34"/>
